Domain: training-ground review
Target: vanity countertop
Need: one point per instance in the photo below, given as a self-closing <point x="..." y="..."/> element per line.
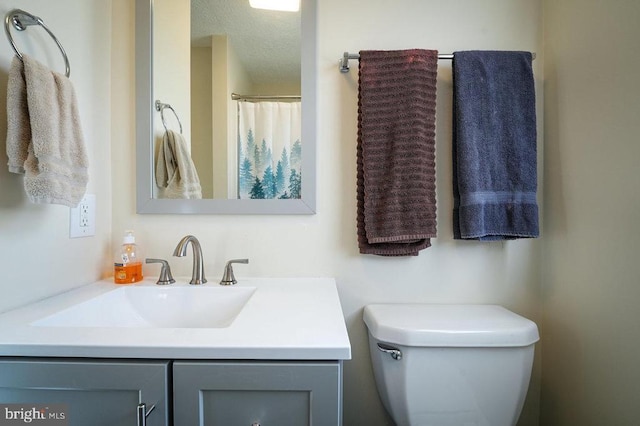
<point x="285" y="319"/>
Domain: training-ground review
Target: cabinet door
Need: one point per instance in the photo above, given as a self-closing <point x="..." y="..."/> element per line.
<point x="265" y="394"/>
<point x="96" y="393"/>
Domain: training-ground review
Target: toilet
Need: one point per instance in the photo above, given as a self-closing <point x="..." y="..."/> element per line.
<point x="450" y="365"/>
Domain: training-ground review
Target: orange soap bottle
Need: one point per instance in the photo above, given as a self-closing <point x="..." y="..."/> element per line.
<point x="127" y="267"/>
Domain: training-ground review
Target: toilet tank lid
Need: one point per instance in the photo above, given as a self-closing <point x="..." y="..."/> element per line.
<point x="449" y="325"/>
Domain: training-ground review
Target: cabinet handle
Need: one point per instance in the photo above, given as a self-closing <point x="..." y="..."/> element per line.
<point x="143" y="413"/>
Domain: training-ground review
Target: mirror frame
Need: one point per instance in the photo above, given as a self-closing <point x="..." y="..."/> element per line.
<point x="145" y="111"/>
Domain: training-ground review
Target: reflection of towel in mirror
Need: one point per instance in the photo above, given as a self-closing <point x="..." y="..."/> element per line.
<point x="44" y="136"/>
<point x="176" y="175"/>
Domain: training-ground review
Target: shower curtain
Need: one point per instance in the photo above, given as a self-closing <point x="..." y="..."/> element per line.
<point x="269" y="150"/>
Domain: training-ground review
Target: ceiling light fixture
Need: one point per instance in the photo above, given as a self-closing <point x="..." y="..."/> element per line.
<point x="284" y="5"/>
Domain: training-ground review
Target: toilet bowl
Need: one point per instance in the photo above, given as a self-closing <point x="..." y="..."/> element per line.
<point x="452" y="365"/>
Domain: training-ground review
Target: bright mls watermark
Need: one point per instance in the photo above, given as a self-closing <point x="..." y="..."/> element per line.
<point x="34" y="414"/>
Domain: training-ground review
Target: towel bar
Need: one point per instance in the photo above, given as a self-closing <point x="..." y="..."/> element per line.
<point x="242" y="98"/>
<point x="343" y="64"/>
<point x="20" y="21"/>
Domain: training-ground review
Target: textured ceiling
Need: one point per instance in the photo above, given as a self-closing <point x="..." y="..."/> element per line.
<point x="267" y="42"/>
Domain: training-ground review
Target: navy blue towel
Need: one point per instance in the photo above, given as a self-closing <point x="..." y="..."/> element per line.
<point x="494" y="146"/>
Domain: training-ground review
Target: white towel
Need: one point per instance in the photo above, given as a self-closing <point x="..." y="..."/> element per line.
<point x="176" y="175"/>
<point x="44" y="136"/>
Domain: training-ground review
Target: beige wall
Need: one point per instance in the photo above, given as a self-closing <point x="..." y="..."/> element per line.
<point x="37" y="258"/>
<point x="319" y="245"/>
<point x="325" y="244"/>
<point x="588" y="294"/>
<point x="171" y="65"/>
<point x="239" y="82"/>
<point x="215" y="157"/>
<point x="591" y="284"/>
<point x="201" y="113"/>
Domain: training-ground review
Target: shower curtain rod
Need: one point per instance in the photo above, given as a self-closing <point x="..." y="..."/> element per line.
<point x="344" y="61"/>
<point x="236" y="97"/>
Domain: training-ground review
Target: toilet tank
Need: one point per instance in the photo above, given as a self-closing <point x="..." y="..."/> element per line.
<point x="458" y="364"/>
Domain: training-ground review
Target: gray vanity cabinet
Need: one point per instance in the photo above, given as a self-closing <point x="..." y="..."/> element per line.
<point x="100" y="393"/>
<point x="257" y="393"/>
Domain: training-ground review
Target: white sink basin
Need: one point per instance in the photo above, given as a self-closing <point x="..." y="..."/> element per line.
<point x="286" y="318"/>
<point x="155" y="307"/>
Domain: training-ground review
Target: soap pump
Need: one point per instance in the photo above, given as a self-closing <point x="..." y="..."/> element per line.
<point x="127" y="267"/>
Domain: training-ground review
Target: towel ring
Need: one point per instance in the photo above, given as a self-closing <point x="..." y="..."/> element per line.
<point x="20" y="21"/>
<point x="161" y="107"/>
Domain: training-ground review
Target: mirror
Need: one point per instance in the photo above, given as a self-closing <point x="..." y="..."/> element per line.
<point x="152" y="50"/>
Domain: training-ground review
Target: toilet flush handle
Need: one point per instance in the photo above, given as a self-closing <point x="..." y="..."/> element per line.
<point x="394" y="352"/>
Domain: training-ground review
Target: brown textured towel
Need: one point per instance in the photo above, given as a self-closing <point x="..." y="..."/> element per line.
<point x="396" y="185"/>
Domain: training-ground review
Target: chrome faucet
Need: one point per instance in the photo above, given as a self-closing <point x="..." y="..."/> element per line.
<point x="197" y="276"/>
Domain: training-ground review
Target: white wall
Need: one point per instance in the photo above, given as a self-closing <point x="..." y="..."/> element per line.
<point x="591" y="284"/>
<point x="37" y="258"/>
<point x="325" y="244"/>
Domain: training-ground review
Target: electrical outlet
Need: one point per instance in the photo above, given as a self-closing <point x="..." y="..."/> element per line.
<point x="82" y="219"/>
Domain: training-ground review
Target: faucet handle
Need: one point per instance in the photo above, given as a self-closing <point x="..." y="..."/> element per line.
<point x="228" y="278"/>
<point x="165" y="271"/>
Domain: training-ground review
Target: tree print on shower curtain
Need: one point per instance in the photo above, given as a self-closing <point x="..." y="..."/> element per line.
<point x="269" y="150"/>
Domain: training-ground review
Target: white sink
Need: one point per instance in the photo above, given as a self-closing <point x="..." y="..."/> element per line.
<point x="288" y="318"/>
<point x="155" y="307"/>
